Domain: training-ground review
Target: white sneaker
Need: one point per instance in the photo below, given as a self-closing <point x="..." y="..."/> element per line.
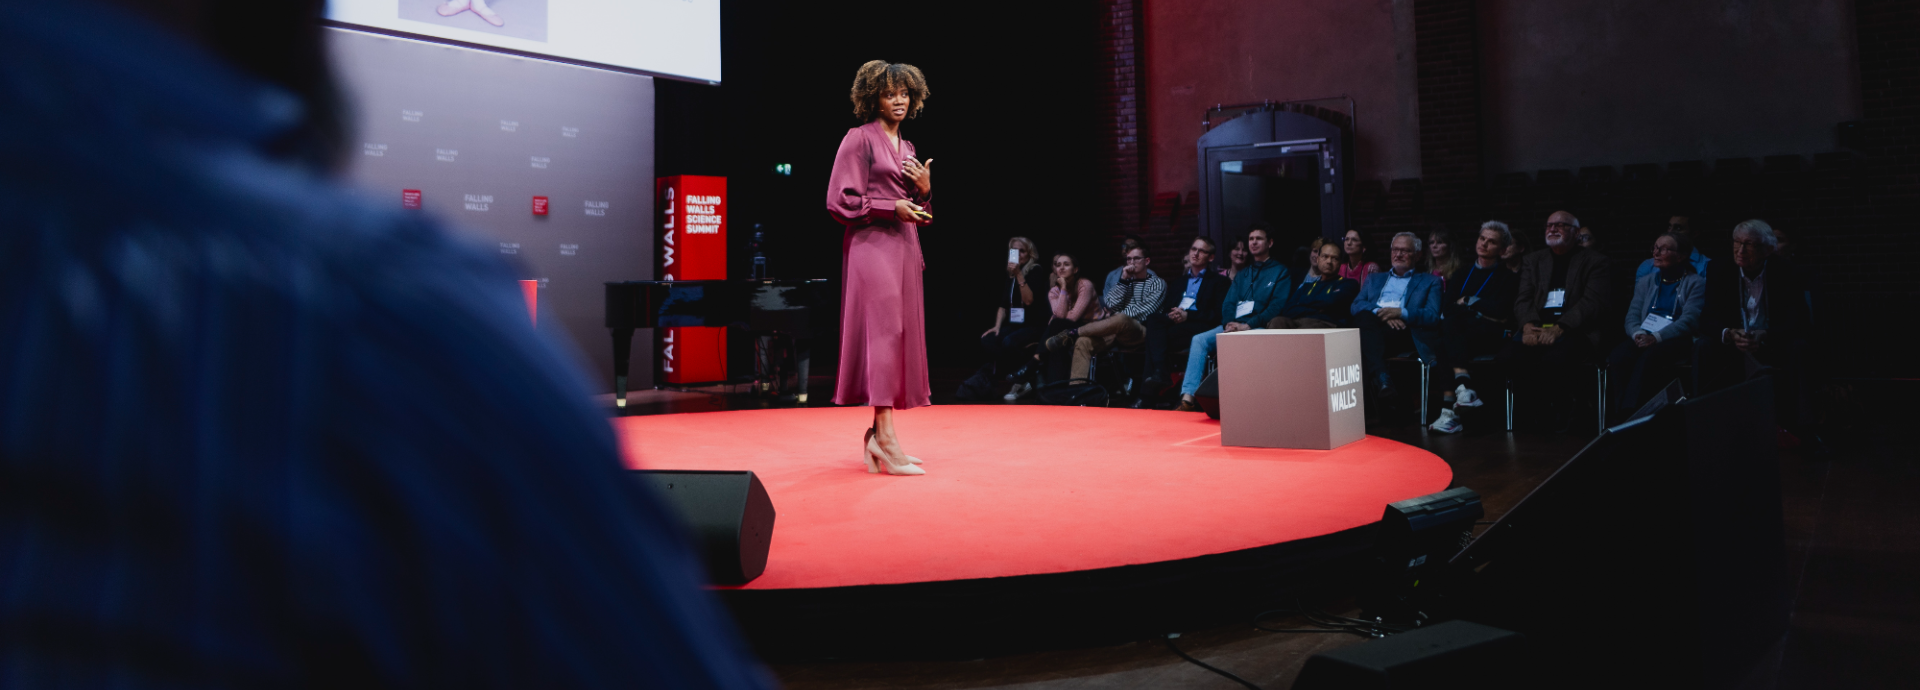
<point x="1018" y="391"/>
<point x="1465" y="397"/>
<point x="1448" y="423"/>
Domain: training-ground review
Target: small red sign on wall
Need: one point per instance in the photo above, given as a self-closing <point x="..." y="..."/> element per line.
<point x="539" y="206"/>
<point x="409" y="198"/>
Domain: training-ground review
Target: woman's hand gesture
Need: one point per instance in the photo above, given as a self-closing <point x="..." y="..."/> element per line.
<point x="905" y="210"/>
<point x="920" y="174"/>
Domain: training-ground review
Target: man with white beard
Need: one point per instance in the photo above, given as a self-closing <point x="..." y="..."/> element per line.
<point x="1563" y="292"/>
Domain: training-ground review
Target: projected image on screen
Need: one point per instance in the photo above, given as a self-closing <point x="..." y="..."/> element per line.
<point x="671" y="38"/>
<point x="517" y="18"/>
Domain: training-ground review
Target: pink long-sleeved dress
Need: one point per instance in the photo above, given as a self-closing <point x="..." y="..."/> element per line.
<point x="883" y="332"/>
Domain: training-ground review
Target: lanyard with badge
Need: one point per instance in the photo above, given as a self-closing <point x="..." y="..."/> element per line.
<point x="1014" y="314"/>
<point x="1245" y="307"/>
<point x="1658" y="318"/>
<point x="1475" y="297"/>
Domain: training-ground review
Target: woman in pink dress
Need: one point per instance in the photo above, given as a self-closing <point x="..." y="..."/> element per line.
<point x="881" y="192"/>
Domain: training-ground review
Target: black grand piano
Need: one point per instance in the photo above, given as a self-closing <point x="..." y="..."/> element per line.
<point x="774" y="311"/>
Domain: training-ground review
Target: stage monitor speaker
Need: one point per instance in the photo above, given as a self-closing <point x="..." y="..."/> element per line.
<point x="729" y="513"/>
<point x="1677" y="513"/>
<point x="1208" y="397"/>
<point x="1454" y="654"/>
<point x="1415" y="540"/>
<point x="1673" y="394"/>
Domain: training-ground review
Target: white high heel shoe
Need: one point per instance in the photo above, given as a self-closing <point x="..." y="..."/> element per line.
<point x="864" y="457"/>
<point x="877" y="459"/>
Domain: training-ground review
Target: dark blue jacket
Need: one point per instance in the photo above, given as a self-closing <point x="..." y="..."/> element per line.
<point x="1265" y="283"/>
<point x="1328" y="300"/>
<point x="1421" y="310"/>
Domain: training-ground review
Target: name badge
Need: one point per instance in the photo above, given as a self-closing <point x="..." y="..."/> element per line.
<point x="1556" y="299"/>
<point x="1471" y="300"/>
<point x="1245" y="308"/>
<point x="1655" y="322"/>
<point x="1017" y="315"/>
<point x="1186" y="304"/>
<point x="1389" y="304"/>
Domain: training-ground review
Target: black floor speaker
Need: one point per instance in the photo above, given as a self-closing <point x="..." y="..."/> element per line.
<point x="1453" y="654"/>
<point x="729" y="513"/>
<point x="1208" y="397"/>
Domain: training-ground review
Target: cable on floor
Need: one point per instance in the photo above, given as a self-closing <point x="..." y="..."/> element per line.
<point x="1169" y="640"/>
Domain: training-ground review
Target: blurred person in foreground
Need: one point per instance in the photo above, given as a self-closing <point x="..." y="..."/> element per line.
<point x="257" y="433"/>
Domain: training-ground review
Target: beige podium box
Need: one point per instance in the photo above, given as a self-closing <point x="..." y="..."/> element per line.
<point x="1295" y="388"/>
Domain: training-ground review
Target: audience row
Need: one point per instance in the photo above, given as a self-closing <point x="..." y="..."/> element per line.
<point x="1533" y="319"/>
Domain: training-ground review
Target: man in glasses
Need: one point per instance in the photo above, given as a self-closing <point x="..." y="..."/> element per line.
<point x="1196" y="312"/>
<point x="1678" y="225"/>
<point x="1399" y="308"/>
<point x="1563" y="293"/>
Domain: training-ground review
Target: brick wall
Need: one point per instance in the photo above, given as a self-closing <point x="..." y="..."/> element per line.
<point x="1123" y="197"/>
<point x="1446" y="62"/>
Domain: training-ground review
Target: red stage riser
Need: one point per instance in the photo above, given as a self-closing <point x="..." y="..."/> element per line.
<point x="1025" y="490"/>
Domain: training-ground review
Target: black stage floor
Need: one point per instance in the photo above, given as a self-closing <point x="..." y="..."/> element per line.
<point x="1853" y="544"/>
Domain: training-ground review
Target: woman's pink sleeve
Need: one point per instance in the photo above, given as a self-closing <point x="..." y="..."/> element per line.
<point x="847" y="188"/>
<point x="1058" y="300"/>
<point x="1086" y="299"/>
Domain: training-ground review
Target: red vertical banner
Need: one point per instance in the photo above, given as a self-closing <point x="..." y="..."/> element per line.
<point x="693" y="246"/>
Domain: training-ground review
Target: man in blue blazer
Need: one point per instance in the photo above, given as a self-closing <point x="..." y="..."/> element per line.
<point x="1397" y="308"/>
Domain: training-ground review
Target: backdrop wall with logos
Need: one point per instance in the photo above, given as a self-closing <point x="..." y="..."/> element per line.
<point x="548" y="162"/>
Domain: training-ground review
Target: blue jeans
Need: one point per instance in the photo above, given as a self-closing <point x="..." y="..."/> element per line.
<point x="1197" y="361"/>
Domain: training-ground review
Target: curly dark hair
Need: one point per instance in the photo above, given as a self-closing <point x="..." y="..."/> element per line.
<point x="878" y="78"/>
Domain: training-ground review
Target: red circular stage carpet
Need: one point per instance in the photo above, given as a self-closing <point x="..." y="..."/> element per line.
<point x="1023" y="489"/>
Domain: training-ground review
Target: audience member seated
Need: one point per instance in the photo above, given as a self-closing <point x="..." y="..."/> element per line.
<point x="1584" y="237"/>
<point x="1562" y="298"/>
<point x="1197" y="311"/>
<point x="1661" y="323"/>
<point x="1399" y="308"/>
<point x="1677" y="225"/>
<point x="1757" y="320"/>
<point x="1128" y="243"/>
<point x="1237" y="259"/>
<point x="1127" y="304"/>
<point x="1785" y="247"/>
<point x="1477" y="310"/>
<point x="1357" y="267"/>
<point x="1323" y="299"/>
<point x="1255" y="297"/>
<point x="1070" y="297"/>
<point x="1441" y="260"/>
<point x="1016" y="324"/>
<point x="1515" y="253"/>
